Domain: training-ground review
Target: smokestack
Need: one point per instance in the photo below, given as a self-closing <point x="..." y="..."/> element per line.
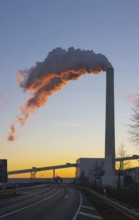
<point x="110" y="125"/>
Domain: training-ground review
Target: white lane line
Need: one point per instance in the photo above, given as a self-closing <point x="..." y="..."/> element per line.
<point x="88" y="207"/>
<point x="76" y="214"/>
<point x="90" y="215"/>
<point x="26" y="207"/>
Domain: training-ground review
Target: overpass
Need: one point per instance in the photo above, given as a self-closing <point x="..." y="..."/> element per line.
<point x="33" y="170"/>
<point x="121" y="160"/>
<point x="133" y="157"/>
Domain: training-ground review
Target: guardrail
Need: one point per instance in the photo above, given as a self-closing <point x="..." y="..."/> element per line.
<point x="126" y="211"/>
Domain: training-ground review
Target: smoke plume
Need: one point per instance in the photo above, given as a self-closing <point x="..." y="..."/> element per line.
<point x="49" y="76"/>
<point x="132" y="98"/>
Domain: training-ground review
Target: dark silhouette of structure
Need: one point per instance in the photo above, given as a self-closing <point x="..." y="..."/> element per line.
<point x="110" y="123"/>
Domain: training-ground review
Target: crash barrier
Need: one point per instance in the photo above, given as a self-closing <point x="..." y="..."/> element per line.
<point x="126" y="211"/>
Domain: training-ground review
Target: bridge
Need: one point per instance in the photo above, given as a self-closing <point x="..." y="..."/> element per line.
<point x="133" y="157"/>
<point x="33" y="170"/>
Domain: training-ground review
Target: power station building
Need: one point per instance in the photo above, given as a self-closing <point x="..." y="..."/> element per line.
<point x="96" y="168"/>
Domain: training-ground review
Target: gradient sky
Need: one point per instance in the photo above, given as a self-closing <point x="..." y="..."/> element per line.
<point x="72" y="124"/>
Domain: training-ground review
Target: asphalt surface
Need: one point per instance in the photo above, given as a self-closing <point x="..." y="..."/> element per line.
<point x="48" y="202"/>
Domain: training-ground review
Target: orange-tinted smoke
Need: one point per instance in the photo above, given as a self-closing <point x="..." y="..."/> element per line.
<point x="11" y="135"/>
<point x="52" y="74"/>
<point x="132" y="98"/>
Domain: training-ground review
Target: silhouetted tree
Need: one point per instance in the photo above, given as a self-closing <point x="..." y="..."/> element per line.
<point x="121" y="165"/>
<point x="134" y="125"/>
<point x="121" y="153"/>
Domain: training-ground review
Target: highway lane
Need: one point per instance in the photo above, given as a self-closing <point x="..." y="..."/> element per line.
<point x="25" y="196"/>
<point x="53" y="202"/>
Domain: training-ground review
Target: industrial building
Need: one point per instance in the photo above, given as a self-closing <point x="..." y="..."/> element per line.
<point x="90" y="168"/>
<point x="103" y="168"/>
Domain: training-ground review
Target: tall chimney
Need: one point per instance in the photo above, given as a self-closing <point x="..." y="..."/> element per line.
<point x="110" y="125"/>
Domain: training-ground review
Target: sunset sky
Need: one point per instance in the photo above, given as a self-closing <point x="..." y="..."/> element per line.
<point x="72" y="123"/>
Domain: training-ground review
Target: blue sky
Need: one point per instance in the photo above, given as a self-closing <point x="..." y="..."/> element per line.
<point x="72" y="123"/>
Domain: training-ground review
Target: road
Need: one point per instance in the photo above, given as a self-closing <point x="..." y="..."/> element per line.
<point x="48" y="202"/>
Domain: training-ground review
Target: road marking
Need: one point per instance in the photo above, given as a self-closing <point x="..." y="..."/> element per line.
<point x="88" y="207"/>
<point x="66" y="196"/>
<point x="76" y="214"/>
<point x="90" y="215"/>
<point x="26" y="207"/>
